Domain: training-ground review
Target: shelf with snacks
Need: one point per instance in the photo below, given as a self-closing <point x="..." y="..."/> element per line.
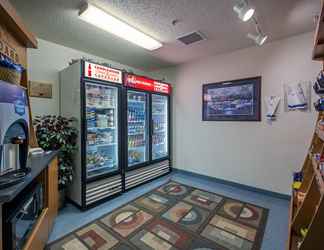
<point x="306" y="221"/>
<point x="136" y="101"/>
<point x="95" y="146"/>
<point x="294" y="241"/>
<point x="320" y="134"/>
<point x="307" y="199"/>
<point x="303" y="219"/>
<point x="318" y="176"/>
<point x="100" y="107"/>
<point x="95" y="129"/>
<point x="319" y="130"/>
<point x="318" y="50"/>
<point x="307" y="204"/>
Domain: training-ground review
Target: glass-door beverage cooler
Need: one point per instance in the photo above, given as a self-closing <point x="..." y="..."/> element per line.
<point x="92" y="94"/>
<point x="148" y="129"/>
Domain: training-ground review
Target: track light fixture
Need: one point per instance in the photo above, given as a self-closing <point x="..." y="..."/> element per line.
<point x="259" y="38"/>
<point x="243" y="10"/>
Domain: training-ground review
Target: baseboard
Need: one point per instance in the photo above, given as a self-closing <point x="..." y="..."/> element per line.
<point x="235" y="184"/>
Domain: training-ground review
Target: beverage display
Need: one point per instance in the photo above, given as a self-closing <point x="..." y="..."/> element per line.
<point x="93" y="93"/>
<point x="160" y="126"/>
<point x="101" y="116"/>
<point x="137" y="127"/>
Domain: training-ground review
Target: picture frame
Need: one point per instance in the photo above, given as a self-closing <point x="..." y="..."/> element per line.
<point x="235" y="100"/>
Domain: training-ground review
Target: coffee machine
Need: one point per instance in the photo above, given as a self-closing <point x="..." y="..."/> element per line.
<point x="14" y="133"/>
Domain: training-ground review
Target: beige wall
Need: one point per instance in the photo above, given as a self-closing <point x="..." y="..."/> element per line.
<point x="252" y="153"/>
<point x="44" y="66"/>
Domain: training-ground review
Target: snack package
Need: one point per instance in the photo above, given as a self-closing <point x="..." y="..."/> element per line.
<point x="9" y="64"/>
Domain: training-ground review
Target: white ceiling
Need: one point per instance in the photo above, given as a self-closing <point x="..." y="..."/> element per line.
<point x="57" y="21"/>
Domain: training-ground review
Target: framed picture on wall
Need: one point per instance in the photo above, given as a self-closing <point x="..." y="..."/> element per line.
<point x="237" y="100"/>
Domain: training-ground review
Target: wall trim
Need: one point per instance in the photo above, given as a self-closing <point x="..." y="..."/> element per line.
<point x="234" y="184"/>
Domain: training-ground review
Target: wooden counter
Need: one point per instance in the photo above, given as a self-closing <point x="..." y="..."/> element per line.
<point x="47" y="174"/>
<point x="43" y="227"/>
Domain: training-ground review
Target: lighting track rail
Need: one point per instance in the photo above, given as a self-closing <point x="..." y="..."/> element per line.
<point x="245" y="12"/>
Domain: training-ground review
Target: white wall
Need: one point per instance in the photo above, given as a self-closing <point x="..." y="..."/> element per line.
<point x="251" y="153"/>
<point x="44" y="66"/>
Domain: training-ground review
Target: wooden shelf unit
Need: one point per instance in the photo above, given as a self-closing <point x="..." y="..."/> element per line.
<point x="310" y="213"/>
<point x="17" y="38"/>
<point x="318" y="51"/>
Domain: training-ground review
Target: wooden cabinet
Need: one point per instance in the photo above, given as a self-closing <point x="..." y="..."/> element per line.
<point x="53" y="195"/>
<point x="44" y="225"/>
<point x="39" y="236"/>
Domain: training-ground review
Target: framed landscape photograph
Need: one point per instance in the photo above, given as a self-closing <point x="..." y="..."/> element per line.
<point x="237" y="100"/>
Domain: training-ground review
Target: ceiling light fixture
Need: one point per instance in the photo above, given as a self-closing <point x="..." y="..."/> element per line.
<point x="259" y="38"/>
<point x="105" y="21"/>
<point x="243" y="10"/>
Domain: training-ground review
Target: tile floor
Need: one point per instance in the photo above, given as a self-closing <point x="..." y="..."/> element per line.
<point x="70" y="218"/>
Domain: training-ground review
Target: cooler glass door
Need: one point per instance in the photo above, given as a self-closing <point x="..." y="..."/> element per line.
<point x="137" y="103"/>
<point x="102" y="129"/>
<point x="159" y="126"/>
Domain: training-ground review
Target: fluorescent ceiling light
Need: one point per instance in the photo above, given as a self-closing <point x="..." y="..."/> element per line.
<point x="259" y="39"/>
<point x="243" y="10"/>
<point x="105" y="21"/>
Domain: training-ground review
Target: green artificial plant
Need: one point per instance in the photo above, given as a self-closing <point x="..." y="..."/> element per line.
<point x="57" y="133"/>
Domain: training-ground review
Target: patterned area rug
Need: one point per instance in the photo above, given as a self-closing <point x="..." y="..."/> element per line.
<point x="173" y="216"/>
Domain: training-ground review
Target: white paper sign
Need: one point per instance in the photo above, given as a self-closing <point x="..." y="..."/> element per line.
<point x="100" y="72"/>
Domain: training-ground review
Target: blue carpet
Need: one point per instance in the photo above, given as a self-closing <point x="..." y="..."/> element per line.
<point x="70" y="218"/>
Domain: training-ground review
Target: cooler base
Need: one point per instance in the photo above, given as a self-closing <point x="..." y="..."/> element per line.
<point x="139" y="176"/>
<point x="102" y="189"/>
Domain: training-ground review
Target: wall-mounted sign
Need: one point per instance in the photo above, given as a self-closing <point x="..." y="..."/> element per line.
<point x="39" y="89"/>
<point x="147" y="84"/>
<point x="97" y="71"/>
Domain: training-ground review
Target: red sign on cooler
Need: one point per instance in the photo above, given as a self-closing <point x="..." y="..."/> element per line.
<point x="147" y="84"/>
<point x="100" y="72"/>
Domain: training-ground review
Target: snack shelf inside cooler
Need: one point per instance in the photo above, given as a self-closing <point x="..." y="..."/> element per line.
<point x="92" y="168"/>
<point x="100" y="108"/>
<point x="101" y="145"/>
<point x="98" y="129"/>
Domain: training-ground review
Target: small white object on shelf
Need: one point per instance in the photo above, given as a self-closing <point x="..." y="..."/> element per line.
<point x="36" y="151"/>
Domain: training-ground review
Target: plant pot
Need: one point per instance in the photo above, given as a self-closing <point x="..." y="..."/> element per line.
<point x="61" y="201"/>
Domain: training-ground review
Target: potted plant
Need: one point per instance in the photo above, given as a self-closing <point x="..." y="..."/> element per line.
<point x="57" y="133"/>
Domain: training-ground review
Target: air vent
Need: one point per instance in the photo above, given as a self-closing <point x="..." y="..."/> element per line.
<point x="192" y="38"/>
